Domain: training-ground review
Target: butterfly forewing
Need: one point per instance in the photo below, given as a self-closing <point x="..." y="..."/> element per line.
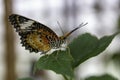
<point x="35" y="36"/>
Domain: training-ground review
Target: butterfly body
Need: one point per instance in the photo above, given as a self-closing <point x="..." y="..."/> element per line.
<point x="35" y="36"/>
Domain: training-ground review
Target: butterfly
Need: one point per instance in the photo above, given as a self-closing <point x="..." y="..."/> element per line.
<point x="37" y="37"/>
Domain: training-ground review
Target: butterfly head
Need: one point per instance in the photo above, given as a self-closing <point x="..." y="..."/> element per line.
<point x="62" y="39"/>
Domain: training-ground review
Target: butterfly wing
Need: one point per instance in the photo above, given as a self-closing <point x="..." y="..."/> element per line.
<point x="34" y="36"/>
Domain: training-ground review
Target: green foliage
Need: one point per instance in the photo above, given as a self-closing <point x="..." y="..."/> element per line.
<point x="80" y="49"/>
<point x="116" y="59"/>
<point x="25" y="79"/>
<point x="86" y="46"/>
<point x="104" y="77"/>
<point x="58" y="61"/>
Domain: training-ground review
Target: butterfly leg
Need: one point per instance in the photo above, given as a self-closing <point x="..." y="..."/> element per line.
<point x="47" y="53"/>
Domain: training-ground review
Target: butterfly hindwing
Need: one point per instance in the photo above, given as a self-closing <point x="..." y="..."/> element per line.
<point x="34" y="35"/>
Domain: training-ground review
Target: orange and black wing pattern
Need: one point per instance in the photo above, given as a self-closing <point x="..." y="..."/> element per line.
<point x="35" y="36"/>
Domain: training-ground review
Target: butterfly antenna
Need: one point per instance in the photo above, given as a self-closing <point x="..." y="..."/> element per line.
<point x="81" y="25"/>
<point x="60" y="27"/>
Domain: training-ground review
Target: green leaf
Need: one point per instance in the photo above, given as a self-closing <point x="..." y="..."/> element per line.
<point x="104" y="77"/>
<point x="86" y="46"/>
<point x="58" y="61"/>
<point x="25" y="79"/>
<point x="81" y="49"/>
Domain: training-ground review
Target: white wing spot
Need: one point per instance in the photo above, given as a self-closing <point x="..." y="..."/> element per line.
<point x="26" y="24"/>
